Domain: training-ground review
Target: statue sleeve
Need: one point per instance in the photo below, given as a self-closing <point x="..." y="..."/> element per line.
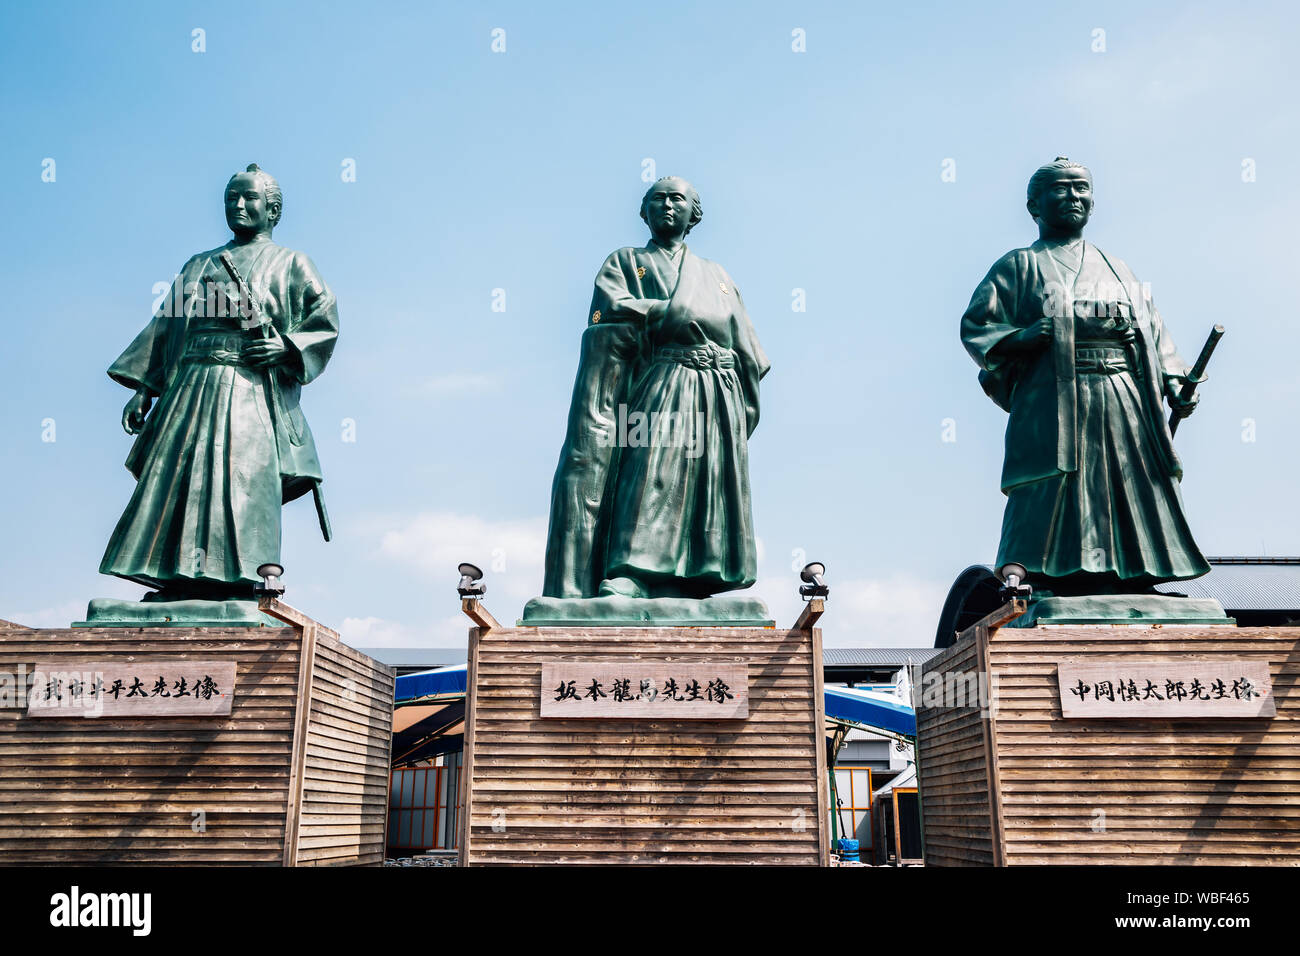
<point x="613" y="297"/>
<point x="145" y="362"/>
<point x="1171" y="363"/>
<point x="1161" y="351"/>
<point x="142" y="364"/>
<point x="588" y="462"/>
<point x="313" y="326"/>
<point x="991" y="315"/>
<point x="990" y="318"/>
<point x="752" y="362"/>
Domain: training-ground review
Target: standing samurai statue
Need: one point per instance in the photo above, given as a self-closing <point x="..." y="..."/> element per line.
<point x="1072" y="346"/>
<point x="221" y="365"/>
<point x="651" y="497"/>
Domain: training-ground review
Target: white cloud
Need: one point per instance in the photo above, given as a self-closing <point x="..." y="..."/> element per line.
<point x="378" y="632"/>
<point x="61" y="615"/>
<point x="449" y="631"/>
<point x="511" y="553"/>
<point x="900" y="610"/>
<point x="429" y="545"/>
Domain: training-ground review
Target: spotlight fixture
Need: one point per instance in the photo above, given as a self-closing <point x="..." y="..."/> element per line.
<point x="813" y="586"/>
<point x="469" y="586"/>
<point x="271" y="584"/>
<point x="1013" y="586"/>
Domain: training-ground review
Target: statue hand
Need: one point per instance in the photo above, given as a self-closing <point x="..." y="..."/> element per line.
<point x="656" y="313"/>
<point x="270" y="351"/>
<point x="1174" y="387"/>
<point x="137" y="408"/>
<point x="1032" y="338"/>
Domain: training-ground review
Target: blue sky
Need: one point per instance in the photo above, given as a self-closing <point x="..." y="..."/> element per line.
<point x="520" y="170"/>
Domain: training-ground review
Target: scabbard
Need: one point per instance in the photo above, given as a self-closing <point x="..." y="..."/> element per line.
<point x="321" y="513"/>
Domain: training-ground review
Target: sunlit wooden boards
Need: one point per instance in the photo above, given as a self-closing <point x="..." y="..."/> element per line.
<point x="296" y="773"/>
<point x="1007" y="778"/>
<point x="623" y="788"/>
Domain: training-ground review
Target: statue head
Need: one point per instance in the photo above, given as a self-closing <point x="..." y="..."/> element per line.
<point x="671" y="208"/>
<point x="253" y="202"/>
<point x="1060" y="197"/>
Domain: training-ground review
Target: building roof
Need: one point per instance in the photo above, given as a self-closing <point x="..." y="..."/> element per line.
<point x="876" y="656"/>
<point x="870" y="708"/>
<point x="905" y="778"/>
<point x="1246" y="584"/>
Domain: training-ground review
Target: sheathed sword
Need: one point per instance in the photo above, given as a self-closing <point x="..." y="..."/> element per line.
<point x="248" y="306"/>
<point x="253" y="317"/>
<point x="1196" y="375"/>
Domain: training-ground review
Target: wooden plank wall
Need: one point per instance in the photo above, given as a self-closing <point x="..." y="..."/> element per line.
<point x="952" y="766"/>
<point x="346" y="767"/>
<point x="274" y="784"/>
<point x="1191" y="791"/>
<point x="644" y="791"/>
<point x="92" y="791"/>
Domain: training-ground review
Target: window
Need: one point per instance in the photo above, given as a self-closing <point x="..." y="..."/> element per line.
<point x="423" y="812"/>
<point x="853" y="819"/>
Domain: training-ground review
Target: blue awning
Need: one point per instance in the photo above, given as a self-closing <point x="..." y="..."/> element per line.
<point x="871" y="709"/>
<point x="865" y="707"/>
<point x="439" y="682"/>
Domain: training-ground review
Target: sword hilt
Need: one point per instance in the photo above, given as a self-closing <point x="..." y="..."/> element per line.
<point x="1196" y="375"/>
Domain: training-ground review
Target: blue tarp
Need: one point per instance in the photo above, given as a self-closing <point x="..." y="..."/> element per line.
<point x="871" y="709"/>
<point x="866" y="707"/>
<point x="438" y="682"/>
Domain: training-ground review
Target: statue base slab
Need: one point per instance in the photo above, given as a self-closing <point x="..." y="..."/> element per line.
<point x="113" y="612"/>
<point x="619" y="611"/>
<point x="1122" y="609"/>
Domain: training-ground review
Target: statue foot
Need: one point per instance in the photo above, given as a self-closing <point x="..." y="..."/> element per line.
<point x="625" y="587"/>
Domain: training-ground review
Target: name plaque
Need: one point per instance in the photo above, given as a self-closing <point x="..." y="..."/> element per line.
<point x="132" y="689"/>
<point x="1157" y="688"/>
<point x="619" y="690"/>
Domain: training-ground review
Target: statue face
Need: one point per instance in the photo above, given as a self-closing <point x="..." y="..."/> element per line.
<point x="247" y="211"/>
<point x="668" y="210"/>
<point x="1064" y="204"/>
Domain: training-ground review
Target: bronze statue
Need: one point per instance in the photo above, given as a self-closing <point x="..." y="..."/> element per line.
<point x="245" y="326"/>
<point x="651" y="497"/>
<point x="1072" y="346"/>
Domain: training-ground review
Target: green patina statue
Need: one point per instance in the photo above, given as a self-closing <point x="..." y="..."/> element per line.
<point x="1071" y="345"/>
<point x="650" y="508"/>
<point x="244" y="327"/>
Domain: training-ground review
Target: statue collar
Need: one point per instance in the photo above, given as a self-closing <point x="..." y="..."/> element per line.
<point x="655" y="246"/>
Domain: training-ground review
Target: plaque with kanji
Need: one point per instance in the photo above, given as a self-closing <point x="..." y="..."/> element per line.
<point x="1157" y="689"/>
<point x="132" y="689"/>
<point x="666" y="691"/>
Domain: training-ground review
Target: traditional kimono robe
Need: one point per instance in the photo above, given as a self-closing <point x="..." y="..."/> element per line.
<point x="226" y="443"/>
<point x="1090" y="472"/>
<point x="653" y="480"/>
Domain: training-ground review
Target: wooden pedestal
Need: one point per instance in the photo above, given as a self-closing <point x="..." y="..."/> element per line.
<point x="273" y="782"/>
<point x="1022" y="784"/>
<point x="608" y="789"/>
